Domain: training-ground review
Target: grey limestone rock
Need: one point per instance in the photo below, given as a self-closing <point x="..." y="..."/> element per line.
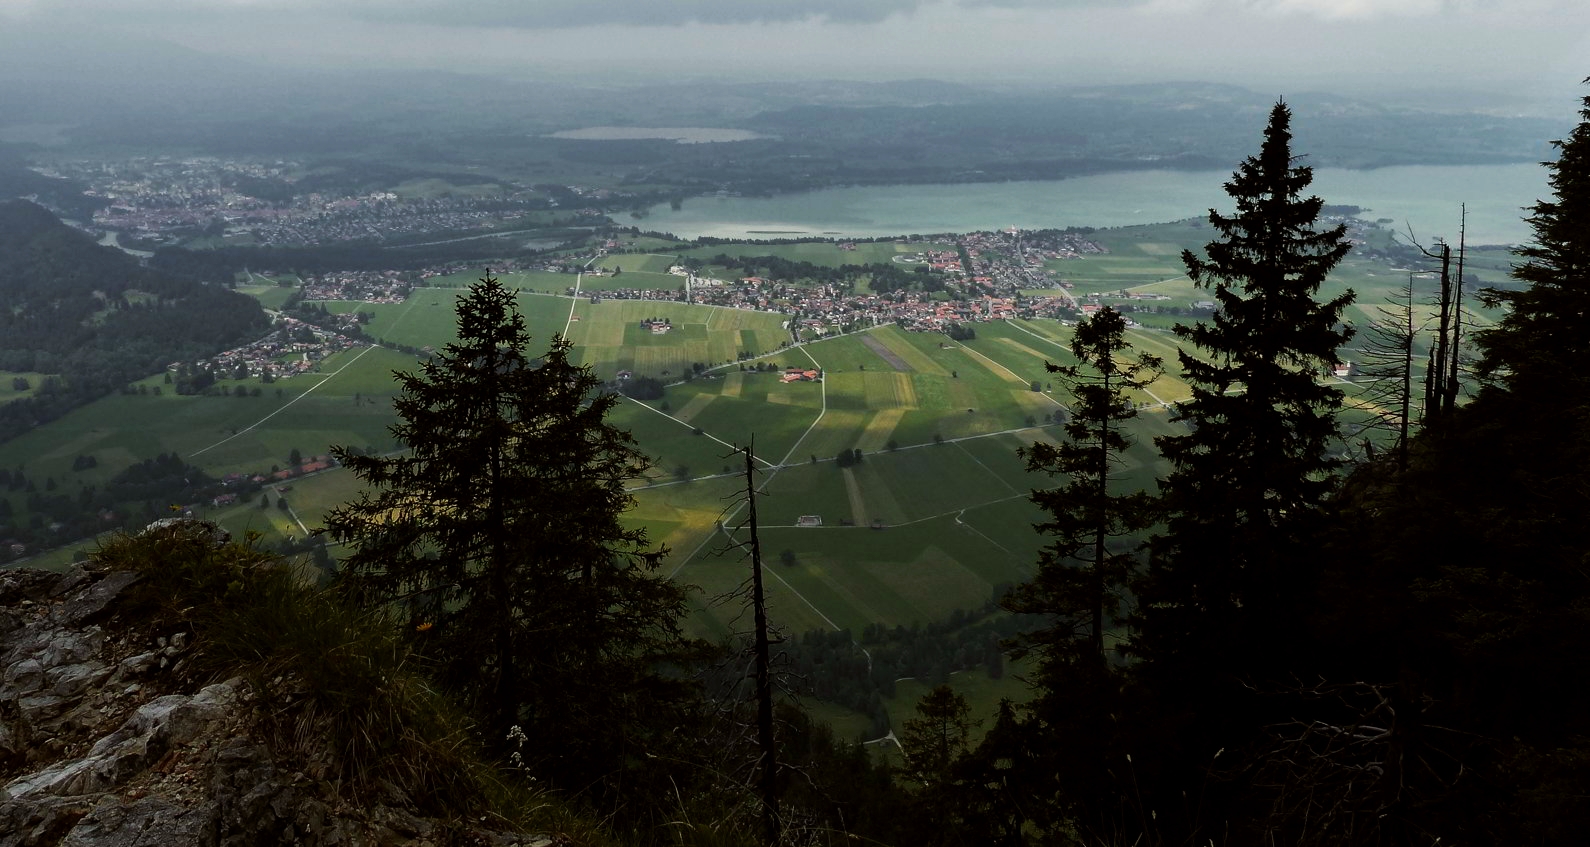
<point x="88" y="604"/>
<point x="114" y="822"/>
<point x="47" y="667"/>
<point x="215" y="534"/>
<point x="156" y="727"/>
<point x="19" y="584"/>
<point x="97" y="749"/>
<point x="37" y="824"/>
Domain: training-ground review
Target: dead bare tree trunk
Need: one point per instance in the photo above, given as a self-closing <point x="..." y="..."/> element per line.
<point x="767" y="765"/>
<point x="1387" y="364"/>
<point x="1449" y="400"/>
<point x="1436" y="394"/>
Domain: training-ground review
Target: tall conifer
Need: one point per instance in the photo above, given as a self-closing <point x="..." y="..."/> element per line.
<point x="1544" y="339"/>
<point x="1247" y="482"/>
<point x="1078" y="589"/>
<point x="1080" y="580"/>
<point x="1462" y="585"/>
<point x="497" y="533"/>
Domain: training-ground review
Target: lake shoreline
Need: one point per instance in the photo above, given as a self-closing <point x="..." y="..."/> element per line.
<point x="1429" y="197"/>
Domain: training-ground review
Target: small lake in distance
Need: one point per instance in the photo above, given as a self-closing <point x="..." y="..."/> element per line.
<point x="677" y="134"/>
<point x="1426" y="196"/>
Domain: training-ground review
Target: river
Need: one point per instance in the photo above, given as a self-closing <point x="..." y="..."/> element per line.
<point x="109" y="240"/>
<point x="1426" y="196"/>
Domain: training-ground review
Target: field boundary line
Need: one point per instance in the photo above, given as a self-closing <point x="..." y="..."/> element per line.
<point x="985" y="467"/>
<point x="410" y="303"/>
<point x="573" y="302"/>
<point x="1002" y="367"/>
<point x="809" y="604"/>
<point x="296" y="519"/>
<point x="952" y="513"/>
<point x="310" y="390"/>
<point x="669" y="416"/>
<point x="961" y="511"/>
<point x="823" y="385"/>
<point x="1157" y="399"/>
<point x="772" y="472"/>
<point x="980" y="533"/>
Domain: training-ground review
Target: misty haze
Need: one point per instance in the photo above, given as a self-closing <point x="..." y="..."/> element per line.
<point x="967" y="422"/>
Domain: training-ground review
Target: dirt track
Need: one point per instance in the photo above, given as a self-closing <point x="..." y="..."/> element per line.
<point x="885" y="353"/>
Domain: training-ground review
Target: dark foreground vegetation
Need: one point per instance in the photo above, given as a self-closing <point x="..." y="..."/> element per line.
<point x="1303" y="653"/>
<point x="1389" y="653"/>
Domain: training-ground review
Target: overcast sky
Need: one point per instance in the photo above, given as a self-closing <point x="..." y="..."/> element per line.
<point x="1349" y="46"/>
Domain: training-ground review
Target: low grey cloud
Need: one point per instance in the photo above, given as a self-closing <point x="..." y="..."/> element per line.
<point x="536" y="14"/>
<point x="564" y="14"/>
<point x="573" y="13"/>
<point x="1501" y="45"/>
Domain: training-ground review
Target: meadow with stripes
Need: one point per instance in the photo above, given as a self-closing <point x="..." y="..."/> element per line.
<point x="890" y="491"/>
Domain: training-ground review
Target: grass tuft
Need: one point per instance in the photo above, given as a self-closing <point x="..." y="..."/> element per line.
<point x="337" y="690"/>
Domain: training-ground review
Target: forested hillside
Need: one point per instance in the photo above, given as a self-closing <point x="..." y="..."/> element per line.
<point x="91" y="318"/>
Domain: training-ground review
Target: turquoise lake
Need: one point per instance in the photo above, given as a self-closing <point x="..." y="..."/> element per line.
<point x="1426" y="196"/>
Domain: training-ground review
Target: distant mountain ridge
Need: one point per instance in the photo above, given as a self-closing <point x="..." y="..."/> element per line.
<point x="1063" y="131"/>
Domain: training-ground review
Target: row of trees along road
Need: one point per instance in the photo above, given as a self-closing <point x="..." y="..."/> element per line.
<point x="1393" y="654"/>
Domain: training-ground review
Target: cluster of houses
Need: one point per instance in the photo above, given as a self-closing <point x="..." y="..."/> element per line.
<point x="630" y="294"/>
<point x="162" y="199"/>
<point x="935" y="316"/>
<point x="380" y="216"/>
<point x="291" y="347"/>
<point x="1002" y="264"/>
<point x="822" y="309"/>
<point x="277" y="477"/>
<point x="363" y="286"/>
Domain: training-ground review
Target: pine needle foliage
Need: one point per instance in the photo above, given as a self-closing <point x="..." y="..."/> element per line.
<point x="1078" y="590"/>
<point x="1250" y="476"/>
<point x="1080" y="581"/>
<point x="1544" y="339"/>
<point x="497" y="537"/>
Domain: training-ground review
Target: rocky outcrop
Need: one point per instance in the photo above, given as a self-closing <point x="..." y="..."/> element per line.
<point x="108" y="740"/>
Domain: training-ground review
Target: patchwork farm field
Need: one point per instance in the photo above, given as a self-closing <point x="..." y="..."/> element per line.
<point x="930" y="518"/>
<point x="933" y="518"/>
<point x="938" y="424"/>
<point x="609" y="337"/>
<point x="1145" y="261"/>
